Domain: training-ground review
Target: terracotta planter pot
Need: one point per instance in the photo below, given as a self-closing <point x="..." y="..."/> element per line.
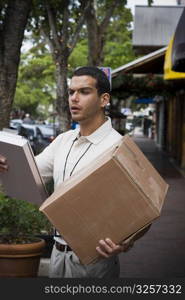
<point x="20" y="260"/>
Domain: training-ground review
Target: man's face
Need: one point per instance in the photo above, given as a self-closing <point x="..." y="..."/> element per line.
<point x="84" y="101"/>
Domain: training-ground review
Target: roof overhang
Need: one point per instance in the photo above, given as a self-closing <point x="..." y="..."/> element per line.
<point x="150" y="63"/>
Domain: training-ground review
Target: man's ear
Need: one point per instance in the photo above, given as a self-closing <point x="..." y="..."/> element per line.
<point x="105" y="99"/>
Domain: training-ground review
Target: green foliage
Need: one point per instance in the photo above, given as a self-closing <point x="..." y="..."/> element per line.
<point x="118" y="48"/>
<point x="64" y="15"/>
<point x="103" y="5"/>
<point x="150" y="2"/>
<point x="20" y="220"/>
<point x="79" y="55"/>
<point x="36" y="83"/>
<point x="117" y="55"/>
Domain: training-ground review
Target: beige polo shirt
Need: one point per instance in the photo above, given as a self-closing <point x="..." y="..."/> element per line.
<point x="70" y="152"/>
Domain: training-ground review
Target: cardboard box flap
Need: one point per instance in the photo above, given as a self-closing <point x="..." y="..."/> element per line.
<point x="142" y="172"/>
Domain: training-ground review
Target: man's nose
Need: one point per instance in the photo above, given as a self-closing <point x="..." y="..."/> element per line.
<point x="74" y="96"/>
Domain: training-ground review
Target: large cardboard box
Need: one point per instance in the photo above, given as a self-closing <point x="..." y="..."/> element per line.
<point x="114" y="197"/>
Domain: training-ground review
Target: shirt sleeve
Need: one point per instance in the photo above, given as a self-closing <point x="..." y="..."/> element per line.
<point x="45" y="160"/>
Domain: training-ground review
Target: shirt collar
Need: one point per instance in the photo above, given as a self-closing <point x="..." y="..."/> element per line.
<point x="98" y="135"/>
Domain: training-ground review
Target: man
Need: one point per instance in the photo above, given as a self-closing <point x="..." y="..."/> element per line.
<point x="89" y="93"/>
<point x="28" y="120"/>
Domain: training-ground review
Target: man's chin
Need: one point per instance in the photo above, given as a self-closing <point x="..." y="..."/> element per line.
<point x="76" y="118"/>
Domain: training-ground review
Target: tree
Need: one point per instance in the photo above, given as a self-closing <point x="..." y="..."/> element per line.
<point x="79" y="56"/>
<point x="59" y="23"/>
<point x="98" y="16"/>
<point x="150" y="2"/>
<point x="13" y="20"/>
<point x="36" y="86"/>
<point x="36" y="83"/>
<point x="118" y="49"/>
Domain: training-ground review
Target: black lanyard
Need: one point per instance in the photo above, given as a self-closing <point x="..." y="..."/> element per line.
<point x="77" y="160"/>
<point x="55" y="231"/>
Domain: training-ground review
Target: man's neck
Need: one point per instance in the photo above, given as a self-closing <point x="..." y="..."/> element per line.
<point x="88" y="127"/>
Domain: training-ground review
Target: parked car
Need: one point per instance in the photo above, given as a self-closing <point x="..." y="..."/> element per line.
<point x="15" y="123"/>
<point x="129" y="125"/>
<point x="39" y="136"/>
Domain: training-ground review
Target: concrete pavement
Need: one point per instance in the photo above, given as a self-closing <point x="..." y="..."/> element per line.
<point x="161" y="252"/>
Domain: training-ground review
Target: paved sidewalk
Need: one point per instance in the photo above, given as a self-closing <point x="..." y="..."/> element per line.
<point x="43" y="267"/>
<point x="161" y="252"/>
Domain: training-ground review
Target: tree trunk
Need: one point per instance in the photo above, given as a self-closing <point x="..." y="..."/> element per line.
<point x="97" y="32"/>
<point x="95" y="39"/>
<point x="62" y="107"/>
<point x="11" y="36"/>
<point x="61" y="46"/>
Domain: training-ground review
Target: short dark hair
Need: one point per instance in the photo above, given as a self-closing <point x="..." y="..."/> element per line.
<point x="102" y="81"/>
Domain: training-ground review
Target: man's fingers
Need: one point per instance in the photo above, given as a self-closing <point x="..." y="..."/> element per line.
<point x="105" y="246"/>
<point x="3" y="167"/>
<point x="3" y="163"/>
<point x="114" y="247"/>
<point x="101" y="252"/>
<point x="110" y="243"/>
<point x="108" y="248"/>
<point x="2" y="159"/>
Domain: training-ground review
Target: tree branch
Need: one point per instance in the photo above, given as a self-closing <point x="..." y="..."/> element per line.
<point x="47" y="40"/>
<point x="103" y="25"/>
<point x="65" y="24"/>
<point x="74" y="38"/>
<point x="52" y="24"/>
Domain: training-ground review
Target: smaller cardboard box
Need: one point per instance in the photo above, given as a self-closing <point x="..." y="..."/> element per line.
<point x="22" y="180"/>
<point x="114" y="197"/>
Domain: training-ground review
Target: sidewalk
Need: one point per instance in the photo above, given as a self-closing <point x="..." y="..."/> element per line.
<point x="44" y="267"/>
<point x="161" y="252"/>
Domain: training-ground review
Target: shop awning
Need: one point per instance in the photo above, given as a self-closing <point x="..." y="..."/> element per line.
<point x="168" y="73"/>
<point x="150" y="63"/>
<point x="144" y="101"/>
<point x="178" y="48"/>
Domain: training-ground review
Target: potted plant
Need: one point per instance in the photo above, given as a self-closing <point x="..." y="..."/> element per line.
<point x="20" y="247"/>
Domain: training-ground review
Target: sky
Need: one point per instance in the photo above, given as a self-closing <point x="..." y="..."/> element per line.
<point x="132" y="3"/>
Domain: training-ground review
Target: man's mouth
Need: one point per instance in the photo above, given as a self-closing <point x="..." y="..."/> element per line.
<point x="75" y="108"/>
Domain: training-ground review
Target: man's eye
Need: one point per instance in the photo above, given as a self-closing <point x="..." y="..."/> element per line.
<point x="70" y="92"/>
<point x="80" y="91"/>
<point x="85" y="91"/>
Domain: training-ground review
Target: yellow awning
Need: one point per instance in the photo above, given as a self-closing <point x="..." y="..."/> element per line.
<point x="168" y="73"/>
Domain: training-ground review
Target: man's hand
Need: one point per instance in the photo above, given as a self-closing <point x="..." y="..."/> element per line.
<point x="3" y="164"/>
<point x="108" y="248"/>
